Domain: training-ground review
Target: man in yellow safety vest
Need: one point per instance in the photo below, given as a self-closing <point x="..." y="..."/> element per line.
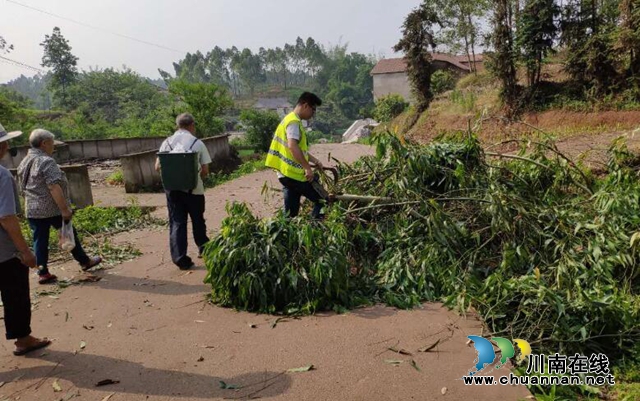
<point x="289" y="156"/>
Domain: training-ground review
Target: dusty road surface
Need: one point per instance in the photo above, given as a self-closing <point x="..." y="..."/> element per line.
<point x="146" y="325"/>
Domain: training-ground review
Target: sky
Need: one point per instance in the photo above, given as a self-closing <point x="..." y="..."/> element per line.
<point x="368" y="26"/>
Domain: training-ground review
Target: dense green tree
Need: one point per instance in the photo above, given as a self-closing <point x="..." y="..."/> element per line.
<point x="418" y="38"/>
<point x="629" y="41"/>
<point x="503" y="60"/>
<point x="536" y="33"/>
<point x="261" y="125"/>
<point x="218" y="66"/>
<point x="58" y="56"/>
<point x="35" y="88"/>
<point x="249" y="68"/>
<point x="17" y="98"/>
<point x="588" y="28"/>
<point x="114" y="95"/>
<point x="207" y="103"/>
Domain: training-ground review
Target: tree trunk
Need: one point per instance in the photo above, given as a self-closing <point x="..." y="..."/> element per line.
<point x="466" y="49"/>
<point x="473" y="43"/>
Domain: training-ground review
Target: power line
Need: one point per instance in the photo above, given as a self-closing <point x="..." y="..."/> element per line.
<point x="98" y="28"/>
<point x="20" y="64"/>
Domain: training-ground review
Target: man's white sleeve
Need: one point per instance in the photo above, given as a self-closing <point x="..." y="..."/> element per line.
<point x="293" y="131"/>
<point x="205" y="158"/>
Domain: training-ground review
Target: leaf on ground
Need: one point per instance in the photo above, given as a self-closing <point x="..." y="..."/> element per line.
<point x="87" y="327"/>
<point x="444" y="390"/>
<point x="394" y="362"/>
<point x="430" y="347"/>
<point x="415" y="365"/>
<point x="56" y="386"/>
<point x="302" y="369"/>
<point x="106" y="382"/>
<point x="109" y="325"/>
<point x="278" y="320"/>
<point x="199" y="321"/>
<point x="83" y="345"/>
<point x="399" y="351"/>
<point x="227" y="386"/>
<point x="108" y="397"/>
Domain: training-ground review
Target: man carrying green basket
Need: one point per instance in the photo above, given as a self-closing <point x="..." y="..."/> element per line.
<point x="183" y="161"/>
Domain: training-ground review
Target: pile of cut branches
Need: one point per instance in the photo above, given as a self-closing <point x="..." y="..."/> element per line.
<point x="539" y="247"/>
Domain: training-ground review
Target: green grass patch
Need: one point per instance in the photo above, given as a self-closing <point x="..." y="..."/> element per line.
<point x="115" y="178"/>
<point x="246" y="152"/>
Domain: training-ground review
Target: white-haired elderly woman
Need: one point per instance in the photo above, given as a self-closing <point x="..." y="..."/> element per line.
<point x="47" y="203"/>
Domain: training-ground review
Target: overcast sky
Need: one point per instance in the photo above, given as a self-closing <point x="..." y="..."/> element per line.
<point x="368" y="26"/>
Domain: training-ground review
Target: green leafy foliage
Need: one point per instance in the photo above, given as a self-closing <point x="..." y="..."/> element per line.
<point x="541" y="249"/>
<point x="115" y="178"/>
<point x="261" y="126"/>
<point x="94" y="219"/>
<point x="58" y="56"/>
<point x="389" y="107"/>
<point x="207" y="103"/>
<point x="442" y="81"/>
<point x="418" y="35"/>
<point x="503" y="61"/>
<point x="537" y="30"/>
<point x="278" y="264"/>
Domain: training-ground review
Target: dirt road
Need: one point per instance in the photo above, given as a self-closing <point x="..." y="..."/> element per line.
<point x="146" y="325"/>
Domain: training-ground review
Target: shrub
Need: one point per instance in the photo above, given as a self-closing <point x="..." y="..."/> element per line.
<point x="389" y="107"/>
<point x="261" y="125"/>
<point x="442" y="81"/>
<point x="115" y="178"/>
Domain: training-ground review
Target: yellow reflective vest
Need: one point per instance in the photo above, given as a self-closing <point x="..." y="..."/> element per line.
<point x="280" y="157"/>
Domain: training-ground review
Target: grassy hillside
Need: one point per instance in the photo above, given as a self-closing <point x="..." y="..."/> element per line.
<point x="559" y="112"/>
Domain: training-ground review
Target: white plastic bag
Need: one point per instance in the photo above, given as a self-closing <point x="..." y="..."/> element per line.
<point x="67" y="240"/>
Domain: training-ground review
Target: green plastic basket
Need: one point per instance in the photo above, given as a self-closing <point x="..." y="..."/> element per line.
<point x="179" y="171"/>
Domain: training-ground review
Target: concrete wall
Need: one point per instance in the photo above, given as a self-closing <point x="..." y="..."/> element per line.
<point x="111" y="148"/>
<point x="79" y="184"/>
<point x="91" y="149"/>
<point x="398" y="83"/>
<point x="386" y="84"/>
<point x="61" y="155"/>
<point x="139" y="171"/>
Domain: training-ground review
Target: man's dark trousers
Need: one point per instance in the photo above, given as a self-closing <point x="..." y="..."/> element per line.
<point x="182" y="204"/>
<point x="293" y="190"/>
<point x="14" y="287"/>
